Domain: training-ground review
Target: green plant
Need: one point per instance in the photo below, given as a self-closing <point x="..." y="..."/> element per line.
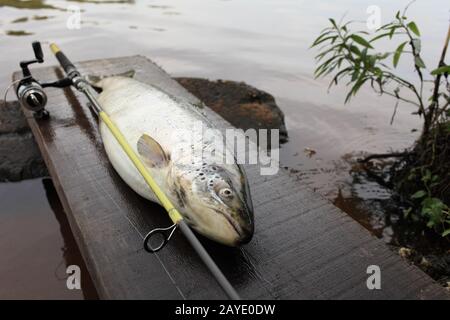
<point x="432" y="209"/>
<point x="351" y="56"/>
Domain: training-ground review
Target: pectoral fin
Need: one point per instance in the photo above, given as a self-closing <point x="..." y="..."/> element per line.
<point x="151" y="152"/>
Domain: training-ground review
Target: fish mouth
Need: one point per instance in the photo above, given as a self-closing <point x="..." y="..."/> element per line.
<point x="243" y="235"/>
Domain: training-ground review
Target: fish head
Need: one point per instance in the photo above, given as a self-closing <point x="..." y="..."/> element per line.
<point x="218" y="204"/>
<point x="214" y="199"/>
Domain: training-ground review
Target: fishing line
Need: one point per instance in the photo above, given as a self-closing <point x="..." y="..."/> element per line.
<point x="9" y="87"/>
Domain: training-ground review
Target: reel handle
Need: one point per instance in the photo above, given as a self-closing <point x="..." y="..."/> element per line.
<point x="38" y="51"/>
<point x="39" y="58"/>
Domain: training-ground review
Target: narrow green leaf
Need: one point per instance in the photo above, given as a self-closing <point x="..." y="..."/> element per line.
<point x="330" y="68"/>
<point x="446" y="233"/>
<point x="355" y="50"/>
<point x="336" y="77"/>
<point x="322" y="35"/>
<point x="377" y="71"/>
<point x="391" y="32"/>
<point x="364" y="53"/>
<point x="441" y="70"/>
<point x="379" y="37"/>
<point x="406" y="212"/>
<point x="398" y="53"/>
<point x="385" y="26"/>
<point x="322" y="40"/>
<point x="419" y="194"/>
<point x="347" y="98"/>
<point x="413" y="27"/>
<point x="321" y="55"/>
<point x="359" y="83"/>
<point x="333" y="22"/>
<point x="324" y="67"/>
<point x="419" y="62"/>
<point x="361" y="41"/>
<point x="362" y="79"/>
<point x="328" y="50"/>
<point x="382" y="56"/>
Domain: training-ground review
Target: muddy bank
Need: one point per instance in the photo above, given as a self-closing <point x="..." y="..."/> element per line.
<point x="242" y="105"/>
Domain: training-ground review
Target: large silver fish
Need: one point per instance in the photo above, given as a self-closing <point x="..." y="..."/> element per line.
<point x="212" y="196"/>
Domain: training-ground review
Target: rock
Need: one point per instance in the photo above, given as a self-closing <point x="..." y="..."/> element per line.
<point x="20" y="157"/>
<point x="242" y="105"/>
<point x="435" y="265"/>
<point x="425" y="263"/>
<point x="12" y="120"/>
<point x="405" y="252"/>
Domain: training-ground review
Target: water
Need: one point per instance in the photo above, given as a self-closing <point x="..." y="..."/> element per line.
<point x="264" y="43"/>
<point x="36" y="244"/>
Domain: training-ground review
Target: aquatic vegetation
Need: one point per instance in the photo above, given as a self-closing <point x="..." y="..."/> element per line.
<point x="421" y="176"/>
<point x="17" y="33"/>
<point x="26" y="19"/>
<point x="18" y="4"/>
<point x="41" y="17"/>
<point x="104" y="1"/>
<point x="20" y="20"/>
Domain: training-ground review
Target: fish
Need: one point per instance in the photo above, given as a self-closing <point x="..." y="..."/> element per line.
<point x="212" y="195"/>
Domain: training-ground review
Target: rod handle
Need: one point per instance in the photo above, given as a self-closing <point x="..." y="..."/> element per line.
<point x="65" y="63"/>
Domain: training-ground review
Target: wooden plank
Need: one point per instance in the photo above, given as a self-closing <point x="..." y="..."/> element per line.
<point x="304" y="247"/>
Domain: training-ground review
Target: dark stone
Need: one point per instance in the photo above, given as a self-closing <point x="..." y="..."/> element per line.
<point x="242" y="105"/>
<point x="12" y="119"/>
<point x="20" y="157"/>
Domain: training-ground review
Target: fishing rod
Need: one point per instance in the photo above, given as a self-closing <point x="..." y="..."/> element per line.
<point x="35" y="100"/>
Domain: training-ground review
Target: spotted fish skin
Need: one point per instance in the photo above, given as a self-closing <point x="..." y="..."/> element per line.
<point x="212" y="196"/>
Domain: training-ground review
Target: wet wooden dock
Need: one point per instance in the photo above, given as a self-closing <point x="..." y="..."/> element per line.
<point x="303" y="248"/>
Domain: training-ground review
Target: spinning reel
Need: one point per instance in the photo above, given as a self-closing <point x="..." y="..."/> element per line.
<point x="30" y="91"/>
